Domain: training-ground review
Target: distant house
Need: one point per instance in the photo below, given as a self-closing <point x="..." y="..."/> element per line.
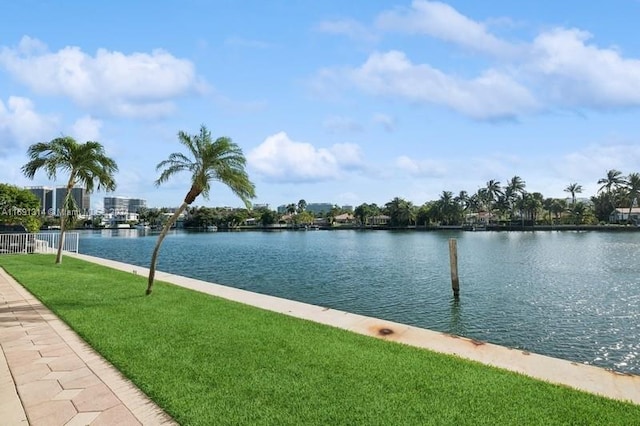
<point x="179" y="222"/>
<point x="380" y="219"/>
<point x="320" y="221"/>
<point x="344" y="218"/>
<point x="480" y="218"/>
<point x="118" y="220"/>
<point x="621" y="215"/>
<point x="286" y="218"/>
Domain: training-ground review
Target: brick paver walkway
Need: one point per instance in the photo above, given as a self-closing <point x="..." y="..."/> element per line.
<point x="49" y="376"/>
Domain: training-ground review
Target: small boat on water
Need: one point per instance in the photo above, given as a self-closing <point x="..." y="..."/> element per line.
<point x="211" y="228"/>
<point x="120" y="226"/>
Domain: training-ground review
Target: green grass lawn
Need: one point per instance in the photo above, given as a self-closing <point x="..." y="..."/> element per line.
<point x="209" y="361"/>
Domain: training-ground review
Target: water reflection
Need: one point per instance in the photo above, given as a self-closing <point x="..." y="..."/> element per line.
<point x="122" y="233"/>
<point x="456" y="324"/>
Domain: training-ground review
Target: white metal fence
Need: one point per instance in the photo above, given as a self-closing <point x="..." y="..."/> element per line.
<point x="44" y="242"/>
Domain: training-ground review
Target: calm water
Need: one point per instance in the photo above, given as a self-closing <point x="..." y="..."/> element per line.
<point x="572" y="295"/>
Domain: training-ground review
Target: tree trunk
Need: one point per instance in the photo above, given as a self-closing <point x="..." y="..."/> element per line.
<point x="63" y="218"/>
<point x="156" y="250"/>
<point x="192" y="194"/>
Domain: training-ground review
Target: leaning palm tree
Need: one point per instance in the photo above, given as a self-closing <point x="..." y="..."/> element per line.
<point x="86" y="164"/>
<point x="220" y="160"/>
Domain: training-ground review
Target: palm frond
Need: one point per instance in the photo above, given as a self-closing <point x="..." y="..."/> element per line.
<point x="208" y="161"/>
<point x="170" y="171"/>
<point x="86" y="163"/>
<point x="188" y="141"/>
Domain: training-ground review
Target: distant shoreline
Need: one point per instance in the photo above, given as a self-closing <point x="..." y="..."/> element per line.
<point x="491" y="228"/>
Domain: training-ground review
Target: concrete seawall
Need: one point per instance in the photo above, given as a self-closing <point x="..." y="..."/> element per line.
<point x="587" y="378"/>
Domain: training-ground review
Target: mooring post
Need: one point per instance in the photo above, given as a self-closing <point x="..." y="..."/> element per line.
<point x="453" y="261"/>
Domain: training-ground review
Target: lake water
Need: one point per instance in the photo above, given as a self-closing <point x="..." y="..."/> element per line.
<point x="571" y="295"/>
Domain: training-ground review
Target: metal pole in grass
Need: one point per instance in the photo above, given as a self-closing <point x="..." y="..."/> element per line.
<point x="453" y="261"/>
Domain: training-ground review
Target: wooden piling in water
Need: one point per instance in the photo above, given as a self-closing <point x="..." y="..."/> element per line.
<point x="453" y="261"/>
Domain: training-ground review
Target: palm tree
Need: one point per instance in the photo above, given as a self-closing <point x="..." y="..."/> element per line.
<point x="86" y="164"/>
<point x="516" y="184"/>
<point x="531" y="204"/>
<point x="515" y="187"/>
<point x="558" y="207"/>
<point x="220" y="160"/>
<point x="406" y="213"/>
<point x="424" y="214"/>
<point x="492" y="192"/>
<point x="573" y="189"/>
<point x="633" y="191"/>
<point x="578" y="210"/>
<point x="462" y="199"/>
<point x="400" y="211"/>
<point x="393" y="209"/>
<point x="501" y="205"/>
<point x="473" y="203"/>
<point x="612" y="181"/>
<point x="364" y="212"/>
<point x="302" y="206"/>
<point x="546" y="205"/>
<point x="448" y="208"/>
<point x="291" y="210"/>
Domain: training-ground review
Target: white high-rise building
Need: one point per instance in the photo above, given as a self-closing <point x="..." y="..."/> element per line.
<point x="123" y="205"/>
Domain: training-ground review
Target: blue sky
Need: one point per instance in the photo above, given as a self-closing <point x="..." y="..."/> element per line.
<point x="331" y="101"/>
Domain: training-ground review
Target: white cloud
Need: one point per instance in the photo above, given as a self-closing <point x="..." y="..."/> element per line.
<point x="442" y="21"/>
<point x="592" y="163"/>
<point x="492" y="95"/>
<point x="575" y="73"/>
<point x="347" y="27"/>
<point x="559" y="68"/>
<point x="281" y="159"/>
<point x="21" y="125"/>
<point x="134" y="85"/>
<point x="11" y="173"/>
<point x="338" y="124"/>
<point x="86" y="129"/>
<point x="498" y="166"/>
<point x="386" y="121"/>
<point x="131" y="182"/>
<point x="420" y="168"/>
<point x="348" y="155"/>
